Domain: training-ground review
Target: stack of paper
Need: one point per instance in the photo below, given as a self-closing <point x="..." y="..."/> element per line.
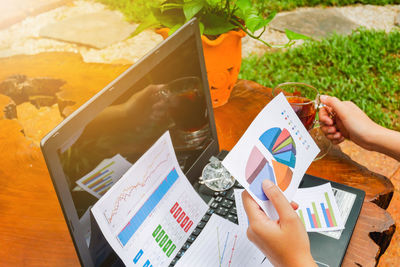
<point x="221" y="243"/>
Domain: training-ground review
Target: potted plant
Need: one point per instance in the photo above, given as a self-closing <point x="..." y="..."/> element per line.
<point x="222" y="24"/>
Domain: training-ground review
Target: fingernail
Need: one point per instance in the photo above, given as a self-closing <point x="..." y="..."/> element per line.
<point x="267" y="184"/>
<point x="323" y="98"/>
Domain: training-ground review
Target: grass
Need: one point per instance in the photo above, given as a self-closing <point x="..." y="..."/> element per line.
<point x="363" y="67"/>
<point x="280" y="5"/>
<point x="134" y="10"/>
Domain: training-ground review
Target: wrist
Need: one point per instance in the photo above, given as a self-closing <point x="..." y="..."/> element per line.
<point x="387" y="142"/>
<point x="374" y="138"/>
<point x="306" y="260"/>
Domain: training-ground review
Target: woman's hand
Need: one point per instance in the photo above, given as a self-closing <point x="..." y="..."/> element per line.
<point x="285" y="242"/>
<point x="343" y="119"/>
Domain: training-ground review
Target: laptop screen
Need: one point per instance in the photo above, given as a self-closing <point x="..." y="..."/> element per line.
<point x="169" y="92"/>
<point x="170" y="97"/>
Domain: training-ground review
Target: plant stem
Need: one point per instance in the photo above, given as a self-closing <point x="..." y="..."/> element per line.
<point x="288" y="44"/>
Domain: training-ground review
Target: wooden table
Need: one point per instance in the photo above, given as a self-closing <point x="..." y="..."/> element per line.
<point x="34" y="233"/>
<point x="375" y="226"/>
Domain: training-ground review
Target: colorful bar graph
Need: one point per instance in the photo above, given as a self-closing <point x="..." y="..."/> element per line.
<point x="137" y="257"/>
<point x="141" y="215"/>
<point x="99" y="181"/>
<point x="318" y="222"/>
<point x="315" y="216"/>
<point x="98" y="174"/>
<point x="330" y="209"/>
<point x="327" y="220"/>
<point x="310" y="218"/>
<point x="302" y="217"/>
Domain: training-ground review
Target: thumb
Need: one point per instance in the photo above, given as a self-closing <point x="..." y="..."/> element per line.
<point x="333" y="102"/>
<point x="277" y="198"/>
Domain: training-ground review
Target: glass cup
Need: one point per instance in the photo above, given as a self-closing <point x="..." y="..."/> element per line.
<point x="188" y="111"/>
<point x="304" y="99"/>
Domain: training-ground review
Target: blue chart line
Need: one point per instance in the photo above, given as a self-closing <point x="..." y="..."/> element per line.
<point x="141" y="215"/>
<point x="223" y="252"/>
<point x="325" y="215"/>
<point x="310" y="218"/>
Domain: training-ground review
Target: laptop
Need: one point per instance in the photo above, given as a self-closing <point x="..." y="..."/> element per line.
<point x="124" y="119"/>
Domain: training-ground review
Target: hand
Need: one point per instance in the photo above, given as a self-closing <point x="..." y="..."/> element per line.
<point x="285" y="242"/>
<point x="343" y="119"/>
<point x="149" y="104"/>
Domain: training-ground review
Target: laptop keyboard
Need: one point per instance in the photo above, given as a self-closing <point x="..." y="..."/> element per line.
<point x="223" y="204"/>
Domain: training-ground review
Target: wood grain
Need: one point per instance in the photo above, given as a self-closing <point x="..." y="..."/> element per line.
<point x="33" y="229"/>
<point x="247" y="100"/>
<point x="32" y="226"/>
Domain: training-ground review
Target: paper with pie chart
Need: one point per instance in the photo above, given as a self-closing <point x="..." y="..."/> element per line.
<point x="277" y="147"/>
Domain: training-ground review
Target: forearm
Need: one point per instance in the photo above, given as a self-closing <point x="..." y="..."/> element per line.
<point x="386" y="141"/>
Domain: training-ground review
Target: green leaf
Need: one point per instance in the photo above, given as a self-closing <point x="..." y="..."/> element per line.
<point x="213" y="3"/>
<point x="201" y="25"/>
<point x="191" y="8"/>
<point x="169" y="18"/>
<point x="295" y="36"/>
<point x="244" y="4"/>
<point x="249" y="13"/>
<point x="174" y="29"/>
<point x="150" y="21"/>
<point x="215" y="25"/>
<point x="169" y="6"/>
<point x="271" y="16"/>
<point x="253" y="21"/>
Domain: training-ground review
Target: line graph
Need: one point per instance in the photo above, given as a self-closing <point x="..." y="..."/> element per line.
<point x="129" y="190"/>
<point x="223" y="252"/>
<point x="233" y="249"/>
<point x="142" y="182"/>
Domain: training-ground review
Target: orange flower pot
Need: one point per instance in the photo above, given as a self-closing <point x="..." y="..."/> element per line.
<point x="223" y="57"/>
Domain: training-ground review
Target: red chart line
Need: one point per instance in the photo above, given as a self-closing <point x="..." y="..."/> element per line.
<point x="127" y="191"/>
<point x="233" y="249"/>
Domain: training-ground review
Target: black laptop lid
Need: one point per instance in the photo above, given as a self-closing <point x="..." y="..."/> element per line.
<point x="166" y="90"/>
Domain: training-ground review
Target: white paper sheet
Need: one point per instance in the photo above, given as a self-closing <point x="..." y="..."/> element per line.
<point x="345" y="201"/>
<point x="221" y="243"/>
<point x="241" y="213"/>
<point x="276" y="146"/>
<point x="104" y="176"/>
<point x="150" y="212"/>
<point x="318" y="209"/>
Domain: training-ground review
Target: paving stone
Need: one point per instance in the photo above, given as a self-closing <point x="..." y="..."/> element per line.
<point x="316" y="23"/>
<point x="397" y="20"/>
<point x="98" y="30"/>
<point x="13" y="11"/>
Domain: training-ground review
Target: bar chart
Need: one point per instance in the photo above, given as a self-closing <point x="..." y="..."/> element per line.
<point x="318" y="209"/>
<point x="104" y="175"/>
<point x="151" y="211"/>
<point x="141" y="215"/>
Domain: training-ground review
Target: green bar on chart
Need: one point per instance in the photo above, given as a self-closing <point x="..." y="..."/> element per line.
<point x="316" y="215"/>
<point x="301" y="217"/>
<point x="330" y="208"/>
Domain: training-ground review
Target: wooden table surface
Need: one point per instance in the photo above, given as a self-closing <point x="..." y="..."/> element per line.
<point x="34" y="233"/>
<point x="375" y="226"/>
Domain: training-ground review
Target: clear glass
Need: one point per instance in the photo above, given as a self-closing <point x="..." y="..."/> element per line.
<point x="304" y="99"/>
<point x="187" y="108"/>
<point x="216" y="177"/>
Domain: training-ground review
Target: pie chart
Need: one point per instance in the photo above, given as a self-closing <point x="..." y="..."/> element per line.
<point x="278" y="170"/>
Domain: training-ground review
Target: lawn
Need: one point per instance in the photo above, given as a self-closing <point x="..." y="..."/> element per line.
<point x="280" y="5"/>
<point x="363" y="68"/>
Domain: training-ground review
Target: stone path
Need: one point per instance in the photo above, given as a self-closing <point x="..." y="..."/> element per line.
<point x="13" y="11"/>
<point x="25" y="36"/>
<point x="31" y="27"/>
<point x="368" y="16"/>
